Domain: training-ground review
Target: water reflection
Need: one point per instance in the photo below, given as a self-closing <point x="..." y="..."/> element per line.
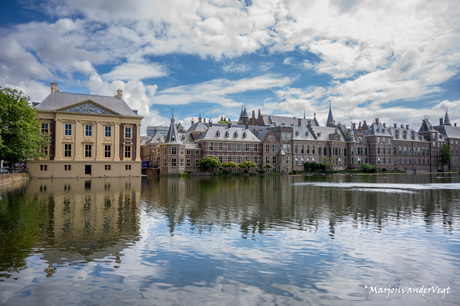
<point x="69" y="221"/>
<point x="230" y="240"/>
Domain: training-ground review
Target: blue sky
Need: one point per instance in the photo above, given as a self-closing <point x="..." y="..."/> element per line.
<point x="395" y="60"/>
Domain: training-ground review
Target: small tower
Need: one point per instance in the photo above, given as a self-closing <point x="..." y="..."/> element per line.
<point x="446" y="119"/>
<point x="330" y="119"/>
<point x="172" y="151"/>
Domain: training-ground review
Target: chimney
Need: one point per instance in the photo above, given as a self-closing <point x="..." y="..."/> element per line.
<point x="384" y="125"/>
<point x="193" y="121"/>
<point x="440" y="121"/>
<point x="377" y="120"/>
<point x="229" y="124"/>
<point x="309" y="123"/>
<point x="395" y="125"/>
<point x="54" y="87"/>
<point x="455" y="124"/>
<point x="299" y="121"/>
<point x="119" y="93"/>
<point x="354" y="125"/>
<point x="402" y="126"/>
<point x="210" y="123"/>
<point x="199" y="118"/>
<point x="407" y="126"/>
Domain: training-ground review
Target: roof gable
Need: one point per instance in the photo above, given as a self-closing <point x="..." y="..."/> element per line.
<point x="87" y="107"/>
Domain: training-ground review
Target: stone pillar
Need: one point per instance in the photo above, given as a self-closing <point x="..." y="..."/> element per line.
<point x="116" y="142"/>
<point x="78" y="140"/>
<point x="99" y="139"/>
<point x="138" y="142"/>
<point x="58" y="139"/>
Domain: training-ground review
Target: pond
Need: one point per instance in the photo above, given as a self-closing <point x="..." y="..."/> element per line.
<point x="297" y="240"/>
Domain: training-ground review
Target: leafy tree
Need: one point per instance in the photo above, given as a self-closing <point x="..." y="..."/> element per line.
<point x="445" y="155"/>
<point x="368" y="168"/>
<point x="210" y="162"/>
<point x="267" y="166"/>
<point x="247" y="165"/>
<point x="20" y="130"/>
<point x="328" y="163"/>
<point x="229" y="165"/>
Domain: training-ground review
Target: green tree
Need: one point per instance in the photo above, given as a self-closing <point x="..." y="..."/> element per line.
<point x="445" y="155"/>
<point x="328" y="163"/>
<point x="20" y="131"/>
<point x="229" y="165"/>
<point x="368" y="168"/>
<point x="210" y="162"/>
<point x="247" y="165"/>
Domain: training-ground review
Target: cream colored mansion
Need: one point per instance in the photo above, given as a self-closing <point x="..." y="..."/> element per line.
<point x="90" y="136"/>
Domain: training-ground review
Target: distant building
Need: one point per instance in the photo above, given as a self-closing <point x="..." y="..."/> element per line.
<point x="286" y="143"/>
<point x="90" y="136"/>
<point x="152" y="130"/>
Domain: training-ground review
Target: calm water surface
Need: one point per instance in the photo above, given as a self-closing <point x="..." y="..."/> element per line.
<point x="306" y="240"/>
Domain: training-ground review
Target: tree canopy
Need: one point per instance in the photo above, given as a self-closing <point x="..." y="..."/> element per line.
<point x="247" y="165"/>
<point x="20" y="131"/>
<point x="210" y="162"/>
<point x="445" y="155"/>
<point x="229" y="165"/>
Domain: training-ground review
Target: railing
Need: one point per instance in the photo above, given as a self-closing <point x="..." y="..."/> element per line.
<point x="4" y="171"/>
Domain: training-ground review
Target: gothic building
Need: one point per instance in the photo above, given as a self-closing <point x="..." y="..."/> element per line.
<point x="286" y="143"/>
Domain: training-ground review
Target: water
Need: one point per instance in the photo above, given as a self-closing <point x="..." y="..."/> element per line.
<point x="298" y="240"/>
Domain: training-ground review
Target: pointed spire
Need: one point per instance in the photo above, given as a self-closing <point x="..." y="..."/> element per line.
<point x="330" y="119"/>
<point x="446" y="119"/>
<point x="173" y="135"/>
<point x="304" y="114"/>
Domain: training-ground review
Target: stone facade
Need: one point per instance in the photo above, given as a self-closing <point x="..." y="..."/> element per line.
<point x="90" y="136"/>
<point x="286" y="143"/>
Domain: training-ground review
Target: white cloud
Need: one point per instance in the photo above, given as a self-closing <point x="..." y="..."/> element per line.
<point x="136" y="71"/>
<point x="217" y="91"/>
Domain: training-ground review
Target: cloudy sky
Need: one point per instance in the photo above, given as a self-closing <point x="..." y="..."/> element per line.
<point x="396" y="60"/>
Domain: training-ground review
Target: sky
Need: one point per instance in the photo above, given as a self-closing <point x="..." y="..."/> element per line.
<point x="394" y="60"/>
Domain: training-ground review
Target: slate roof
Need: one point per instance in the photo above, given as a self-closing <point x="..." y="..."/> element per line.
<point x="323" y="132"/>
<point x="225" y="133"/>
<point x="406" y="134"/>
<point x="173" y="136"/>
<point x="287" y="121"/>
<point x="377" y="129"/>
<point x="448" y="131"/>
<point x="198" y="127"/>
<point x="302" y="133"/>
<point x="58" y="100"/>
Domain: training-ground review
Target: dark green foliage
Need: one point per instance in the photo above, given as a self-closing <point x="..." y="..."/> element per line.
<point x="313" y="167"/>
<point x="20" y="130"/>
<point x="210" y="162"/>
<point x="247" y="165"/>
<point x="445" y="155"/>
<point x="368" y="168"/>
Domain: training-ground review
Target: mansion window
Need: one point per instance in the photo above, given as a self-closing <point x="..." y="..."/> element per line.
<point x="128" y="167"/>
<point x="220" y="146"/>
<point x="210" y="148"/>
<point x="197" y="162"/>
<point x="68" y="150"/>
<point x="255" y="147"/>
<point x="68" y="129"/>
<point x="173" y="150"/>
<point x="127" y="151"/>
<point x="108" y="131"/>
<point x="107" y="150"/>
<point x="238" y="147"/>
<point x="173" y="162"/>
<point x="67" y="167"/>
<point x="45" y="128"/>
<point x="229" y="147"/>
<point x="128" y="132"/>
<point x="108" y="167"/>
<point x="165" y="162"/>
<point x="274" y="160"/>
<point x="267" y="148"/>
<point x="188" y="152"/>
<point x="88" y="130"/>
<point x="247" y="147"/>
<point x="165" y="150"/>
<point x="270" y="138"/>
<point x="189" y="162"/>
<point x="267" y="159"/>
<point x="88" y="149"/>
<point x="274" y="148"/>
<point x="43" y="167"/>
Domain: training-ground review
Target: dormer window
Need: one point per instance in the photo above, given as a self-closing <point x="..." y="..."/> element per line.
<point x="297" y="133"/>
<point x="218" y="133"/>
<point x="236" y="134"/>
<point x="227" y="134"/>
<point x="245" y="135"/>
<point x="383" y="130"/>
<point x="319" y="134"/>
<point x="378" y="130"/>
<point x="306" y="134"/>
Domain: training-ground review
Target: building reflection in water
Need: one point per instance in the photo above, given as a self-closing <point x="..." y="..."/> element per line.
<point x="258" y="204"/>
<point x="86" y="220"/>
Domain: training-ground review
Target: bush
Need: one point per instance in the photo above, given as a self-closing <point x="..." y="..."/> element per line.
<point x="368" y="168"/>
<point x="261" y="171"/>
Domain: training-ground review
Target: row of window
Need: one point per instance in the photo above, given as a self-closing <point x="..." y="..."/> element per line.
<point x="89" y="150"/>
<point x="69" y="167"/>
<point x="88" y="131"/>
<point x="229" y="147"/>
